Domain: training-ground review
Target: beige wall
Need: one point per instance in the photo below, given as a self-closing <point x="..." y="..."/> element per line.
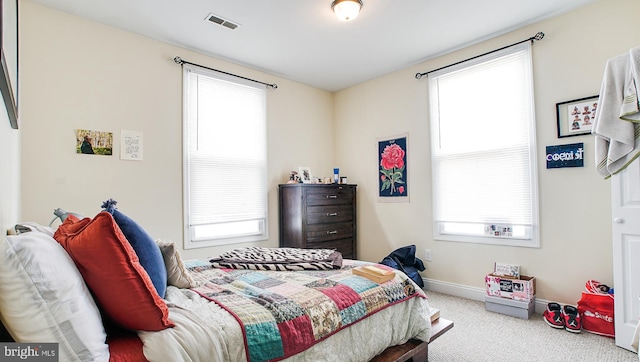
<point x="80" y="74"/>
<point x="575" y="204"/>
<point x="10" y="174"/>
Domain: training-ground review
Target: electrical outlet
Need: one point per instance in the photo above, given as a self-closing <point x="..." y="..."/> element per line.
<point x="427" y="255"/>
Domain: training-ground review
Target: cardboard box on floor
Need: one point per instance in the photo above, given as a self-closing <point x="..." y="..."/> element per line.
<point x="514" y="308"/>
<point x="523" y="289"/>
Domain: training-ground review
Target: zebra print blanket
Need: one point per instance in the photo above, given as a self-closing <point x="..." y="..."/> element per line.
<point x="279" y="259"/>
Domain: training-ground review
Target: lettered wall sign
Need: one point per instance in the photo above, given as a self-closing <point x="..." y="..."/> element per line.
<point x="571" y="155"/>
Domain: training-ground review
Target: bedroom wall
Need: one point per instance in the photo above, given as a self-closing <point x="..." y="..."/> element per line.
<point x="10" y="166"/>
<point x="575" y="203"/>
<point x="80" y="74"/>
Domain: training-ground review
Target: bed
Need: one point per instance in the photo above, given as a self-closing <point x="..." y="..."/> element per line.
<point x="89" y="286"/>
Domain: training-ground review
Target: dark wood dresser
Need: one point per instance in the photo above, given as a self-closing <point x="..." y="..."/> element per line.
<point x="317" y="216"/>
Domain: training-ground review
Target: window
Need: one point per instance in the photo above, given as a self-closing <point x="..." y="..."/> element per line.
<point x="225" y="165"/>
<point x="484" y="150"/>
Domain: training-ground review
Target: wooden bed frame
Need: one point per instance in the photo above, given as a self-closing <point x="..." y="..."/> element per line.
<point x="414" y="350"/>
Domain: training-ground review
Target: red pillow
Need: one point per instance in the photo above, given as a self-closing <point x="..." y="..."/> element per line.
<point x="111" y="269"/>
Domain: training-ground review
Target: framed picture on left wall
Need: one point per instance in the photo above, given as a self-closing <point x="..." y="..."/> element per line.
<point x="91" y="142"/>
<point x="9" y="58"/>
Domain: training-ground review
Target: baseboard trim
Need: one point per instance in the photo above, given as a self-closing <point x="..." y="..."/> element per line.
<point x="468" y="292"/>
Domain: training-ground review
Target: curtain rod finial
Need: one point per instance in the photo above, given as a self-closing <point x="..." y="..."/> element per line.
<point x="418" y="75"/>
<point x="178" y="60"/>
<point x="539" y="35"/>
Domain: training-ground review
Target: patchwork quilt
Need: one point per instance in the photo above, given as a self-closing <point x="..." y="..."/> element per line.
<point x="284" y="313"/>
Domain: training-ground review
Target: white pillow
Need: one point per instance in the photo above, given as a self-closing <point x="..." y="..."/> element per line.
<point x="177" y="273"/>
<point x="43" y="298"/>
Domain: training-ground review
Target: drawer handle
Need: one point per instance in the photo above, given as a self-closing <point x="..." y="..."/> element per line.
<point x="332" y="196"/>
<point x="332" y="232"/>
<point x="332" y="214"/>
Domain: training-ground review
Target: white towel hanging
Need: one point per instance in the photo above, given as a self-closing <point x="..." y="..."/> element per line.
<point x="616" y="124"/>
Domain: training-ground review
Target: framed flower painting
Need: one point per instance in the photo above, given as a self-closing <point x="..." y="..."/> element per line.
<point x="392" y="169"/>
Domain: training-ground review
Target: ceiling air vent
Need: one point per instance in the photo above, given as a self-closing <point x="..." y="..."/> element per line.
<point x="222" y="21"/>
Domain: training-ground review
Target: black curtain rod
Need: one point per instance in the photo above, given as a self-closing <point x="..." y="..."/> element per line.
<point x="539" y="35"/>
<point x="180" y="61"/>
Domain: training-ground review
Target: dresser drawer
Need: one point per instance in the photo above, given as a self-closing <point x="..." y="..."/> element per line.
<point x="344" y="246"/>
<point x="329" y="214"/>
<point x="322" y="232"/>
<point x="339" y="195"/>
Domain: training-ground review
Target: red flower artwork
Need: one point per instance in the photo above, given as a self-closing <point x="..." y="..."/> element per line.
<point x="392" y="167"/>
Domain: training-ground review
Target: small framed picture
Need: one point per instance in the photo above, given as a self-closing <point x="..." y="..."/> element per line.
<point x="575" y="117"/>
<point x="305" y="174"/>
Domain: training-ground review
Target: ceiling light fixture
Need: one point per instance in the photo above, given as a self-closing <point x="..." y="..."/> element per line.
<point x="346" y="9"/>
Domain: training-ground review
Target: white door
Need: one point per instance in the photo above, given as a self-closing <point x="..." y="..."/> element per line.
<point x="625" y="189"/>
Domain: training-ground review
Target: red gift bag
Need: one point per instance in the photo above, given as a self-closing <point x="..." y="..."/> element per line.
<point x="596" y="309"/>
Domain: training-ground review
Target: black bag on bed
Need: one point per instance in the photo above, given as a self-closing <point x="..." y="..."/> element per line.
<point x="404" y="259"/>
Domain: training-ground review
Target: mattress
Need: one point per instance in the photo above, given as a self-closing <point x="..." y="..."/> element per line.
<point x="290" y="316"/>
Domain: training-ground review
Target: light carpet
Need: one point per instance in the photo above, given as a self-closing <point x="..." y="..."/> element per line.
<point x="479" y="335"/>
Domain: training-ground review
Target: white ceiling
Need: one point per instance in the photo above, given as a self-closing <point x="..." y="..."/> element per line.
<point x="302" y="40"/>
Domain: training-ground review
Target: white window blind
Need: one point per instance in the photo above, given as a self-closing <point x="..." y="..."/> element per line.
<point x="483" y="150"/>
<point x="225" y="151"/>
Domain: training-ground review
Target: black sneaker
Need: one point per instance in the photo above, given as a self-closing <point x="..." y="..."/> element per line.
<point x="553" y="315"/>
<point x="571" y="318"/>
